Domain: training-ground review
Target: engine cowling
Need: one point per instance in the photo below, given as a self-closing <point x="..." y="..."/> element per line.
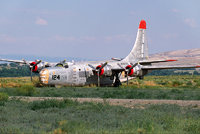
<point x="131" y="71"/>
<point x="35" y="68"/>
<point x="101" y="71"/>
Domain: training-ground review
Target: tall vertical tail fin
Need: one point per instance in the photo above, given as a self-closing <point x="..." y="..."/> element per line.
<point x="140" y="48"/>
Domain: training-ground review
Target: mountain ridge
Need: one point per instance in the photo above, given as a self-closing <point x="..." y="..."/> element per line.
<point x="183" y="57"/>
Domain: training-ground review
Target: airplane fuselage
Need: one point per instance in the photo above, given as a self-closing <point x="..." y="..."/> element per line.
<point x="82" y="74"/>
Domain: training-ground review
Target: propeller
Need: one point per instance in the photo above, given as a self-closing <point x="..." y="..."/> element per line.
<point x="98" y="70"/>
<point x="127" y="69"/>
<point x="33" y="65"/>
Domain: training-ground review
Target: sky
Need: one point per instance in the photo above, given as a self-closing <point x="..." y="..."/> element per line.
<point x="96" y="29"/>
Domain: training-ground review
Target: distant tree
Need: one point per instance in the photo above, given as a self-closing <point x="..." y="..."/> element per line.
<point x="171" y="72"/>
<point x="17" y="71"/>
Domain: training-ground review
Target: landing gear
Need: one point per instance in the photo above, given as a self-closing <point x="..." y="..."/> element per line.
<point x="117" y="82"/>
<point x="141" y="77"/>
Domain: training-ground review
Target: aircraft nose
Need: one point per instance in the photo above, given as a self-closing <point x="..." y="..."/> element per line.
<point x="44" y="76"/>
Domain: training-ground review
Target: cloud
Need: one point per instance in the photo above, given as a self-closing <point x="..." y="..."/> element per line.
<point x="88" y="38"/>
<point x="175" y="10"/>
<point x="190" y="22"/>
<point x="40" y="21"/>
<point x="62" y="38"/>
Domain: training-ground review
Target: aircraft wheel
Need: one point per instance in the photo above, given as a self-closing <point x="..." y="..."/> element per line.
<point x="117" y="81"/>
<point x="141" y="77"/>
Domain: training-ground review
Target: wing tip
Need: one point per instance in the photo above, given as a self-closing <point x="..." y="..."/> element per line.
<point x="142" y="24"/>
<point x="171" y="60"/>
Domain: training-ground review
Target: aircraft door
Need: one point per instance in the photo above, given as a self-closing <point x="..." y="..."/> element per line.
<point x="82" y="75"/>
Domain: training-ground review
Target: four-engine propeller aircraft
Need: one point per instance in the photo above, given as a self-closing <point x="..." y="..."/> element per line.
<point x="37" y="65"/>
<point x="136" y="64"/>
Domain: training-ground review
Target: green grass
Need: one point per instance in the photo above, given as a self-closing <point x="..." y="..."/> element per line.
<point x="73" y="117"/>
<point x="178" y="81"/>
<point x="152" y="87"/>
<point x="3" y="98"/>
<point x="107" y="92"/>
<point x="52" y="116"/>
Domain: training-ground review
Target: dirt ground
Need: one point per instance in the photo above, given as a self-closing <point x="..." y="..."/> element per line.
<point x="131" y="103"/>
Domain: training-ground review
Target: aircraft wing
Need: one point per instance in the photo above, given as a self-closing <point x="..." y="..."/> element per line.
<point x="155" y="61"/>
<point x="15" y="61"/>
<point x="168" y="67"/>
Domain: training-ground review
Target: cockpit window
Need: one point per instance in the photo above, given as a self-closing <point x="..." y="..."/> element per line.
<point x="59" y="65"/>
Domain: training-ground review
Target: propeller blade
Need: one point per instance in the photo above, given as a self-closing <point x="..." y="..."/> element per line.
<point x="92" y="67"/>
<point x="37" y="63"/>
<point x="102" y="66"/>
<point x="133" y="65"/>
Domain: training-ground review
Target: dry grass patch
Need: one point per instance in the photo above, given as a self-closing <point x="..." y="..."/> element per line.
<point x="150" y="83"/>
<point x="12" y="82"/>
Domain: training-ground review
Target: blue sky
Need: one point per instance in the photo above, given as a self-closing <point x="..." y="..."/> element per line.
<point x="96" y="29"/>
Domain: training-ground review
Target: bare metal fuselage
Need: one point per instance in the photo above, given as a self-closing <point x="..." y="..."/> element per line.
<point x="81" y="74"/>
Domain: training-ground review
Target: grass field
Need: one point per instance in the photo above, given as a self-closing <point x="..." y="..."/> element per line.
<point x="69" y="117"/>
<point x="182" y="81"/>
<point x="51" y="116"/>
<point x="105" y="92"/>
<point x="152" y="87"/>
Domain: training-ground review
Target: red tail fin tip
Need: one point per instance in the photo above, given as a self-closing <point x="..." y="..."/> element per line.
<point x="142" y="24"/>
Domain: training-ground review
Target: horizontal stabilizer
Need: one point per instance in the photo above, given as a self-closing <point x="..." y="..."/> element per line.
<point x="117" y="59"/>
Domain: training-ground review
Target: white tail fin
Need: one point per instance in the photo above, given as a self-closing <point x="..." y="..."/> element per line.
<point x="140" y="48"/>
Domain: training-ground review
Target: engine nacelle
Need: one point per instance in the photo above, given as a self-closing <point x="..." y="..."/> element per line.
<point x="101" y="71"/>
<point x="37" y="68"/>
<point x="136" y="71"/>
<point x="106" y="71"/>
<point x="131" y="71"/>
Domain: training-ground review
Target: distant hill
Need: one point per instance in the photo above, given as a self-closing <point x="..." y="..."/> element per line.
<point x="188" y="56"/>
